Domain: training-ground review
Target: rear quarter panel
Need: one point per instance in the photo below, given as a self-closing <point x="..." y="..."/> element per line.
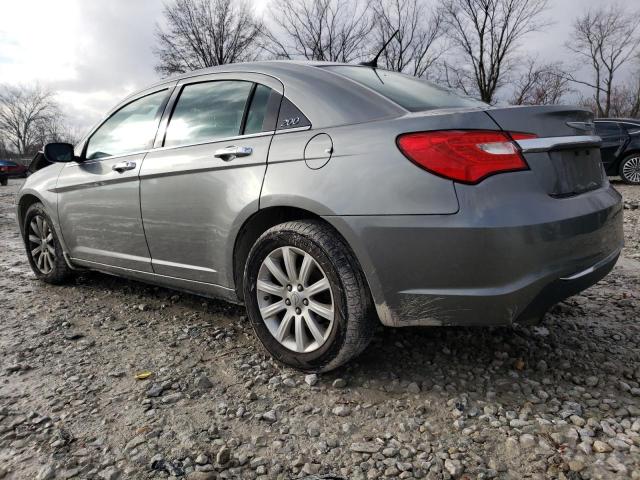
<point x="367" y="174"/>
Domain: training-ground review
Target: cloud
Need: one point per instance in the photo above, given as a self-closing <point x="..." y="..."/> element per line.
<point x="94" y="53"/>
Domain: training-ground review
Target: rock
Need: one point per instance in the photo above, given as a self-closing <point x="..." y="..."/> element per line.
<point x="576" y="465"/>
<point x="155" y="390"/>
<point x="202" y="476"/>
<point x="271" y="416"/>
<point x="601" y="447"/>
<point x="110" y="473"/>
<point x="223" y="456"/>
<point x="577" y="421"/>
<point x="172" y="398"/>
<point x="390" y="452"/>
<point x="313" y="429"/>
<point x="616" y="464"/>
<point x="311" y="379"/>
<point x="311" y="468"/>
<point x="511" y="446"/>
<point x="413" y="387"/>
<point x="46" y="473"/>
<point x="134" y="442"/>
<point x="257" y="462"/>
<point x="591" y="381"/>
<point x="454" y="467"/>
<point x="72" y="335"/>
<point x="202" y="459"/>
<point x="341" y="411"/>
<point x="289" y="382"/>
<point x="585" y="448"/>
<point x="527" y="441"/>
<point x="339" y="383"/>
<point x="365" y="447"/>
<point x="203" y="383"/>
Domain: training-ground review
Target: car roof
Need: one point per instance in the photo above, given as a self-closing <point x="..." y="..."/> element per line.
<point x="326" y="98"/>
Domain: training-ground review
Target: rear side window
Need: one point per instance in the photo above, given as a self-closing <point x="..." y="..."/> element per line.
<point x="608" y="129"/>
<point x="257" y="114"/>
<point x="207" y="112"/>
<point x="409" y="92"/>
<point x="130" y="129"/>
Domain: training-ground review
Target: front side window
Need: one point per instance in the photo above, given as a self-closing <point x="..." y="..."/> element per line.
<point x="409" y="92"/>
<point x="208" y="111"/>
<point x="130" y="129"/>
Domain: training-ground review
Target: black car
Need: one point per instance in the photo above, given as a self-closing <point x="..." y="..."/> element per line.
<point x="620" y="147"/>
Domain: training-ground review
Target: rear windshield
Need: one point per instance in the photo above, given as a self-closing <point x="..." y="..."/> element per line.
<point x="409" y="92"/>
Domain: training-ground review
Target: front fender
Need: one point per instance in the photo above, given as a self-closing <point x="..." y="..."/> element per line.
<point x="41" y="187"/>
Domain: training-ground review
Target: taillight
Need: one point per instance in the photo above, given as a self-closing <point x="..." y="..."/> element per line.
<point x="466" y="156"/>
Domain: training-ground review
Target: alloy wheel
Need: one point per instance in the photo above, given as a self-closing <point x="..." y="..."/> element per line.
<point x="631" y="169"/>
<point x="295" y="299"/>
<point x="41" y="244"/>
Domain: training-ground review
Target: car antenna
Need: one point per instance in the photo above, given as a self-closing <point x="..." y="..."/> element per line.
<point x="374" y="63"/>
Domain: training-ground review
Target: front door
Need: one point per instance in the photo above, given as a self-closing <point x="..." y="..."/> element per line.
<point x="206" y="174"/>
<point x="99" y="197"/>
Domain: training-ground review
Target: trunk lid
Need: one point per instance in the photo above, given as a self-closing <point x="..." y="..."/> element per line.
<point x="566" y="155"/>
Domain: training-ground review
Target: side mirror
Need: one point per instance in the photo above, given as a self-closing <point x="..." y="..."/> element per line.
<point x="59" y="152"/>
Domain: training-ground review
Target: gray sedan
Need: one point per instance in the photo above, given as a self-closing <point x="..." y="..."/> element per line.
<point x="328" y="197"/>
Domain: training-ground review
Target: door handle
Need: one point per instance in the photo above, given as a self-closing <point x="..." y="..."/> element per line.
<point x="122" y="166"/>
<point x="231" y="152"/>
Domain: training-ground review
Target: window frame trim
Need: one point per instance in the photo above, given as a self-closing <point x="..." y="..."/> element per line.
<point x="128" y="101"/>
<point x="179" y="89"/>
<point x="173" y="87"/>
<point x="253" y="77"/>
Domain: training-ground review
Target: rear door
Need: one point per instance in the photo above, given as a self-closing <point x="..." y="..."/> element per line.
<point x="614" y="139"/>
<point x="204" y="178"/>
<point x="99" y="198"/>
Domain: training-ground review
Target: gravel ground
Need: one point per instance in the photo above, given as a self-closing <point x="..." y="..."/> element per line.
<point x="559" y="400"/>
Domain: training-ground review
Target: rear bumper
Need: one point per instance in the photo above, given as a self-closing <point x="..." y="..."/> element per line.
<point x="489" y="264"/>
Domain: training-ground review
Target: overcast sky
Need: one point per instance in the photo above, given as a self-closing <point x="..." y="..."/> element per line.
<point x="95" y="52"/>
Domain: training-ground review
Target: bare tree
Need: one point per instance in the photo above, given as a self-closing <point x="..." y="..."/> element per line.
<point x="330" y="30"/>
<point x="607" y="38"/>
<point x="625" y="100"/>
<point x="417" y="47"/>
<point x="27" y="114"/>
<point x="206" y="33"/>
<point x="541" y="84"/>
<point x="487" y="34"/>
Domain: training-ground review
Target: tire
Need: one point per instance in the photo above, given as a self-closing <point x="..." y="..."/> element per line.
<point x="4" y="181"/>
<point x="630" y="169"/>
<point x="353" y="323"/>
<point x="55" y="270"/>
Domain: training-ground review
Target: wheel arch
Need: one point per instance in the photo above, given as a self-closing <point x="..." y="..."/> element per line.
<point x="635" y="151"/>
<point x="24" y="203"/>
<point x="253" y="227"/>
<point x="263" y="220"/>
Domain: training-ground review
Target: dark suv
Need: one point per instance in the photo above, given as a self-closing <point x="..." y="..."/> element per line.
<point x="620" y="147"/>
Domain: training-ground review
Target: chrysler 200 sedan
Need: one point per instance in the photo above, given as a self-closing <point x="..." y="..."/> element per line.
<point x="327" y="196"/>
